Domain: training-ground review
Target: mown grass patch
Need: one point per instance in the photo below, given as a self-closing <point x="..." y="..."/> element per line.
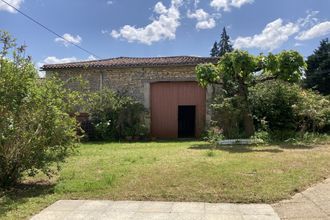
<point x="173" y="171"/>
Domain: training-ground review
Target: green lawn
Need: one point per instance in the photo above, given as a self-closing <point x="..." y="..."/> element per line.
<point x="173" y="171"/>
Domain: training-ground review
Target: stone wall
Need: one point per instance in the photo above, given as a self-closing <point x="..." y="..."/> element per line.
<point x="91" y="76"/>
<point x="134" y="82"/>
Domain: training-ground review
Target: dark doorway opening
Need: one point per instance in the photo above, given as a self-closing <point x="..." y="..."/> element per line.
<point x="186" y="121"/>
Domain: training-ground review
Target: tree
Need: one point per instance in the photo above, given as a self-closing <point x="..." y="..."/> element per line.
<point x="215" y="50"/>
<point x="224" y="45"/>
<point x="318" y="69"/>
<point x="288" y="66"/>
<point x="36" y="129"/>
<point x="236" y="73"/>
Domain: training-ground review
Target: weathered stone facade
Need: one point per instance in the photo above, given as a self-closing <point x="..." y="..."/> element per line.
<point x="135" y="81"/>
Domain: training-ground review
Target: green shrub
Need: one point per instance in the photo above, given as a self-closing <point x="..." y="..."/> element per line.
<point x="312" y="112"/>
<point x="262" y="135"/>
<point x="284" y="108"/>
<point x="36" y="130"/>
<point x="115" y="116"/>
<point x="282" y="136"/>
<point x="297" y="137"/>
<point x="227" y="116"/>
<point x="214" y="134"/>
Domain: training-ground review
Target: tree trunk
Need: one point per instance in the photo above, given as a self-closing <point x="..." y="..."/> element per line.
<point x="246" y="111"/>
<point x="248" y="124"/>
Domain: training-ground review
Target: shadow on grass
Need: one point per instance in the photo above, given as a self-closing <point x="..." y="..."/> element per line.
<point x="235" y="148"/>
<point x="182" y="140"/>
<point x="275" y="147"/>
<point x="296" y="146"/>
<point x="21" y="193"/>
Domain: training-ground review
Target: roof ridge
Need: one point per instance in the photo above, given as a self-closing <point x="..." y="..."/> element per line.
<point x="157" y="57"/>
<point x="134" y="62"/>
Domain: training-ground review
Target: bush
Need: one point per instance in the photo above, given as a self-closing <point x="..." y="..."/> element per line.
<point x="279" y="106"/>
<point x="214" y="134"/>
<point x="115" y="116"/>
<point x="227" y="116"/>
<point x="36" y="130"/>
<point x="262" y="135"/>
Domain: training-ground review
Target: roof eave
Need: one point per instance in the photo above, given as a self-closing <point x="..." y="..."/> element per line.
<point x="119" y="67"/>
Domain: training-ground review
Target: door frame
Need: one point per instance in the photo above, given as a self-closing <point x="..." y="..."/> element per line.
<point x="200" y="106"/>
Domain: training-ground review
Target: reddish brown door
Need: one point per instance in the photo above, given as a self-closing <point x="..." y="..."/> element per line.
<point x="166" y="97"/>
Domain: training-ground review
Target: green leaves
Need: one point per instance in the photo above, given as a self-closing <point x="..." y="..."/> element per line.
<point x="36" y="129"/>
<point x="284" y="106"/>
<point x="318" y="72"/>
<point x="237" y="64"/>
<point x="237" y="71"/>
<point x="115" y="116"/>
<point x="288" y="66"/>
<point x="207" y="73"/>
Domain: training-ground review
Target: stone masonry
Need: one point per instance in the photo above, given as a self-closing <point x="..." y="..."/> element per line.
<point x="134" y="81"/>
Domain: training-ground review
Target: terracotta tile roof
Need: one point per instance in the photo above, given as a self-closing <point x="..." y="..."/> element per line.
<point x="121" y="62"/>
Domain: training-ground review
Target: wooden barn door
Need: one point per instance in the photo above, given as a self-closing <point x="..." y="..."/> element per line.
<point x="167" y="98"/>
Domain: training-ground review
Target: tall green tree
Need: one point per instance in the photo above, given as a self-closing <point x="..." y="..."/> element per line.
<point x="236" y="73"/>
<point x="215" y="50"/>
<point x="318" y="70"/>
<point x="224" y="44"/>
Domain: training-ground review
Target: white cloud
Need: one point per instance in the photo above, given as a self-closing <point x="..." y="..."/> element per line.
<point x="227" y="4"/>
<point x="204" y="20"/>
<point x="104" y="31"/>
<point x="309" y="20"/>
<point x="91" y="57"/>
<point x="162" y="28"/>
<point x="69" y="39"/>
<point x="110" y="2"/>
<point x="239" y="3"/>
<point x="220" y="4"/>
<point x="15" y="3"/>
<point x="55" y="60"/>
<point x="273" y="36"/>
<point x="317" y="30"/>
<point x="160" y="8"/>
<point x="207" y="24"/>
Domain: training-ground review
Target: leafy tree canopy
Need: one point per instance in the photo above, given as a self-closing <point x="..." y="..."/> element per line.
<point x="288" y="66"/>
<point x="236" y="71"/>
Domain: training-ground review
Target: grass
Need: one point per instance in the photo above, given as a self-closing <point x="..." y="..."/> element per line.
<point x="210" y="153"/>
<point x="173" y="171"/>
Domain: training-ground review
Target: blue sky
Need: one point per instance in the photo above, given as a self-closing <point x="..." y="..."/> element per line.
<point x="164" y="27"/>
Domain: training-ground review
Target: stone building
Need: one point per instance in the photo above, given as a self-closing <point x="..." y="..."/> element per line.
<point x="166" y="86"/>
